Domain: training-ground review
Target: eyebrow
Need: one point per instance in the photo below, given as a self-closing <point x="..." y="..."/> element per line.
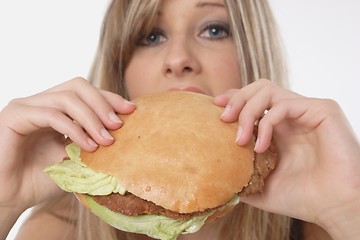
<point x="211" y="4"/>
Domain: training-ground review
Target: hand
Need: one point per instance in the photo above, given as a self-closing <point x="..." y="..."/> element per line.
<point x="317" y="178"/>
<point x="32" y="136"/>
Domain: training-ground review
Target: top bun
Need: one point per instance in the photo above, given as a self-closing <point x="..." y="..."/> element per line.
<point x="174" y="151"/>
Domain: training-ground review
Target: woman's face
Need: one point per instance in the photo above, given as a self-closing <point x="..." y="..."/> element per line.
<point x="190" y="48"/>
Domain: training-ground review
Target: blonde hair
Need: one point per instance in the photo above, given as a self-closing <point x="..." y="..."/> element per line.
<point x="257" y="41"/>
<point x="123" y="22"/>
<point x="259" y="56"/>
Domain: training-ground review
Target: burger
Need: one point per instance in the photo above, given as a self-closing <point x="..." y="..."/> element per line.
<point x="173" y="167"/>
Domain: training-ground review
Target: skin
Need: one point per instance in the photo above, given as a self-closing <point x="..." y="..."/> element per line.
<point x="195" y="53"/>
<point x="319" y="156"/>
<point x="317" y="178"/>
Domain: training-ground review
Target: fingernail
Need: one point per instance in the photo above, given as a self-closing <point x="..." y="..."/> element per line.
<point x="257" y="143"/>
<point x="91" y="142"/>
<point x="114" y="118"/>
<point x="239" y="134"/>
<point x="106" y="134"/>
<point x="226" y="111"/>
<point x="128" y="102"/>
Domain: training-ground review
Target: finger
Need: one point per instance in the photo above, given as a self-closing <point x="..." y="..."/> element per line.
<point x="69" y="103"/>
<point x="93" y="98"/>
<point x="118" y="103"/>
<point x="86" y="105"/>
<point x="222" y="100"/>
<point x="246" y="110"/>
<point x="234" y="105"/>
<point x="250" y="113"/>
<point x="94" y="118"/>
<point x="35" y="118"/>
<point x="237" y="98"/>
<point x="304" y="112"/>
<point x="253" y="105"/>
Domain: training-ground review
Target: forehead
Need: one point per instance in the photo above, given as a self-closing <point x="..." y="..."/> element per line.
<point x="186" y="8"/>
<point x="192" y="3"/>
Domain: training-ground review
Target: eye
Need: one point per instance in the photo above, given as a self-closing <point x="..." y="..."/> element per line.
<point x="155" y="37"/>
<point x="216" y="31"/>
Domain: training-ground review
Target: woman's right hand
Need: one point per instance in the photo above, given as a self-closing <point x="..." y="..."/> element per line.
<point x="33" y="131"/>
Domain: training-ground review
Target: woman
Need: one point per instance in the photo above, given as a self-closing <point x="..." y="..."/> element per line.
<point x="219" y="48"/>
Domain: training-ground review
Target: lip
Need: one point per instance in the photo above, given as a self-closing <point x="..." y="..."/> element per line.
<point x="188" y="88"/>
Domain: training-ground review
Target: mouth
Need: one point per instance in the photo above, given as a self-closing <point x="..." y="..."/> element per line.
<point x="188" y="88"/>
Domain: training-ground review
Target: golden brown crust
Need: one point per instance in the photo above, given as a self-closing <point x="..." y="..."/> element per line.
<point x="264" y="163"/>
<point x="131" y="205"/>
<point x="176" y="152"/>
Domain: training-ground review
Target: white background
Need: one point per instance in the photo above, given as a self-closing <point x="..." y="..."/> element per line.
<point x="43" y="43"/>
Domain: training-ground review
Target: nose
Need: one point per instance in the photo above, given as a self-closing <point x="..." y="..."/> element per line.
<point x="181" y="59"/>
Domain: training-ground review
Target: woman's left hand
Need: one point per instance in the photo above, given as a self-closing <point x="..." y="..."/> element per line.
<point x="317" y="178"/>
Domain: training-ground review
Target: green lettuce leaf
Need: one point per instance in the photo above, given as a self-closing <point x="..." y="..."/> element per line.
<point x="74" y="176"/>
<point x="155" y="226"/>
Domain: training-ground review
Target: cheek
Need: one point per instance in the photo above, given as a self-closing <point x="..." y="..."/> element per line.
<point x="131" y="82"/>
<point x="137" y="77"/>
<point x="225" y="73"/>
